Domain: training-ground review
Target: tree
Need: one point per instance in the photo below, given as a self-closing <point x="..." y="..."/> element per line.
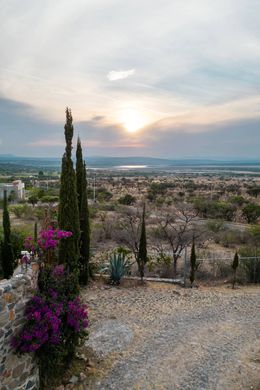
<point x="142" y="253"/>
<point x="33" y="199"/>
<point x="252" y="212"/>
<point x="128" y="232"/>
<point x="234" y="266"/>
<point x="128" y="200"/>
<point x="68" y="214"/>
<point x="176" y="227"/>
<point x="79" y="171"/>
<point x="84" y="243"/>
<point x="7" y="257"/>
<point x="193" y="264"/>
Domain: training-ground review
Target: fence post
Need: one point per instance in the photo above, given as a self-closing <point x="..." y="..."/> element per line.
<point x="255" y="267"/>
<point x="185" y="266"/>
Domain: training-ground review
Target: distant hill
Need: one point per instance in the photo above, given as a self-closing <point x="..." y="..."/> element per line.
<point x="117" y="162"/>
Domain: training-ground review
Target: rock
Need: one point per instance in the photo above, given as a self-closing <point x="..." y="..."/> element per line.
<point x="82" y="376"/>
<point x="74" y="379"/>
<point x="69" y="386"/>
<point x="109" y="336"/>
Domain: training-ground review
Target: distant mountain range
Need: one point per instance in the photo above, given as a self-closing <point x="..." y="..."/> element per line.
<point x="8" y="161"/>
<point x="110" y="162"/>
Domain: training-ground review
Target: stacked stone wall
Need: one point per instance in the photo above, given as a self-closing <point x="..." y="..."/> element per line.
<point x="16" y="372"/>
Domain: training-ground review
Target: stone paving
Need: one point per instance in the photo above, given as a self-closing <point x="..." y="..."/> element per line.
<point x="175" y="338"/>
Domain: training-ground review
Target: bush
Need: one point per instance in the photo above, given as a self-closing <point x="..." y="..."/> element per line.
<point x="119" y="266"/>
<point x="127" y="200"/>
<point x="251" y="266"/>
<point x="55" y="324"/>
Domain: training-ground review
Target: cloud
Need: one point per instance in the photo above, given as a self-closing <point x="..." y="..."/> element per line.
<point x="98" y="118"/>
<point x="114" y="75"/>
<point x="198" y="68"/>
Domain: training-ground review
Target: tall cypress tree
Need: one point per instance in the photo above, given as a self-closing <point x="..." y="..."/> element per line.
<point x="84" y="245"/>
<point x="142" y="253"/>
<point x="85" y="232"/>
<point x="234" y="266"/>
<point x="7" y="257"/>
<point x="68" y="216"/>
<point x="79" y="172"/>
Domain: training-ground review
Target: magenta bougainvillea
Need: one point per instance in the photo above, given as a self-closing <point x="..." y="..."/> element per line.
<point x="45" y="246"/>
<point x="51" y="316"/>
<point x="48" y="239"/>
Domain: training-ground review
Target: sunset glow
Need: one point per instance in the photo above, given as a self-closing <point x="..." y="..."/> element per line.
<point x="132" y="120"/>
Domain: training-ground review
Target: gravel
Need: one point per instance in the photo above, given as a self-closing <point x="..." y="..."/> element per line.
<point x="167" y="337"/>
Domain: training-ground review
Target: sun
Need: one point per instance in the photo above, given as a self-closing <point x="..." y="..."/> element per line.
<point x="132" y="120"/>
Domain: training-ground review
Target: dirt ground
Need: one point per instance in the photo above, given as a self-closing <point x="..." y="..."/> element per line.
<point x="161" y="336"/>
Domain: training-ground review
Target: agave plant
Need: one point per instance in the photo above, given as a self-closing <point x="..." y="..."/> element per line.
<point x="119" y="266"/>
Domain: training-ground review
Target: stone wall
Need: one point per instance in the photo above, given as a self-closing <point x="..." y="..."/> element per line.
<point x="16" y="373"/>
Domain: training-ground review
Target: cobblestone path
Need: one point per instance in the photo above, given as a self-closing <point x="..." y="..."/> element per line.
<point x="200" y="339"/>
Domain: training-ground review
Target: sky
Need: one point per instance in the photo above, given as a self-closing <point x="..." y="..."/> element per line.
<point x="168" y="78"/>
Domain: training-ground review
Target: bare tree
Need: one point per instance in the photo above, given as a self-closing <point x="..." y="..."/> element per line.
<point x="129" y="228"/>
<point x="176" y="228"/>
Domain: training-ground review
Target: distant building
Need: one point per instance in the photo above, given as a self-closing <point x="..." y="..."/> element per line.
<point x="15" y="188"/>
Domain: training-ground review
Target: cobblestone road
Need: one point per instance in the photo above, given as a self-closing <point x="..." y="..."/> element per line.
<point x="200" y="339"/>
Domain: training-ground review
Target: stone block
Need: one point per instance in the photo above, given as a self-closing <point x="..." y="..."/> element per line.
<point x="17" y="372"/>
<point x="11" y="315"/>
<point x="8" y="297"/>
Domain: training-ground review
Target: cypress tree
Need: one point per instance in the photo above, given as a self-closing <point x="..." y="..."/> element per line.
<point x="7" y="257"/>
<point x="85" y="232"/>
<point x="84" y="245"/>
<point x="234" y="266"/>
<point x="68" y="214"/>
<point x="142" y="253"/>
<point x="193" y="259"/>
<point x="79" y="172"/>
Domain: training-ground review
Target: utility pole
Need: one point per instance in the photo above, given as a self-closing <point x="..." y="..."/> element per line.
<point x="94" y="189"/>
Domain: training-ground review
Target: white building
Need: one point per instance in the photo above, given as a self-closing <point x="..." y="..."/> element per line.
<point x="16" y="188"/>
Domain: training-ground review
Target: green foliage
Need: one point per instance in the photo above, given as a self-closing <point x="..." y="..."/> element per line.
<point x="234" y="266"/>
<point x="235" y="261"/>
<point x="142" y="253"/>
<point x="193" y="265"/>
<point x="103" y="195"/>
<point x="85" y="231"/>
<point x="238" y="200"/>
<point x="208" y="208"/>
<point x="68" y="214"/>
<point x="215" y="226"/>
<point x="254" y="191"/>
<point x="157" y="189"/>
<point x="34" y="197"/>
<point x="7" y="257"/>
<point x="23" y="211"/>
<point x="49" y="199"/>
<point x="122" y="250"/>
<point x="127" y="200"/>
<point x="58" y="290"/>
<point x="252" y="212"/>
<point x="79" y="172"/>
<point x="119" y="266"/>
<point x="251" y="266"/>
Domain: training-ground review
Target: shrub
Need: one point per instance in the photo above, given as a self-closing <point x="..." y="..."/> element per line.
<point x="119" y="266"/>
<point x="128" y="200"/>
<point x="56" y="322"/>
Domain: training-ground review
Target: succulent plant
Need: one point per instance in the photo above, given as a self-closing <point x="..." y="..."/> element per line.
<point x="119" y="265"/>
